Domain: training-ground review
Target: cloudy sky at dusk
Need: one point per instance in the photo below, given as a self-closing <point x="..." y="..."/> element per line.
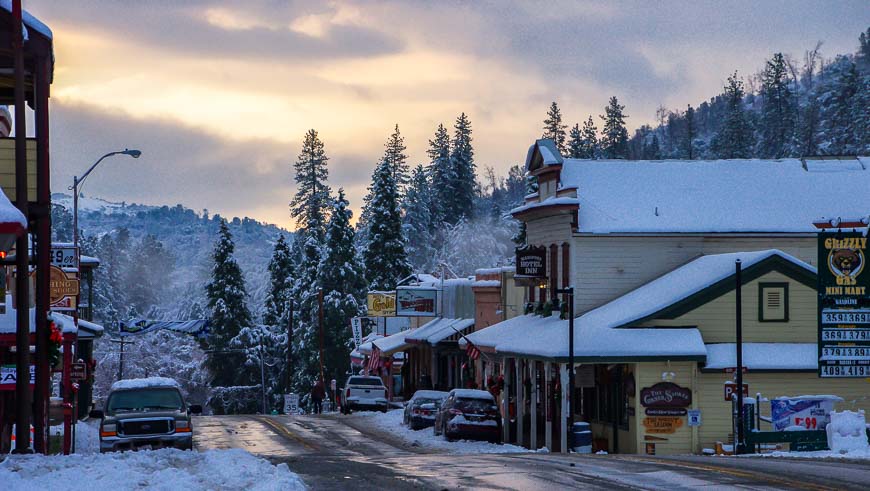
<point x="218" y="94"/>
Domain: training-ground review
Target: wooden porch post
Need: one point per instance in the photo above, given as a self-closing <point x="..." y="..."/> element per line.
<point x="506" y="402"/>
<point x="521" y="401"/>
<point x="533" y="369"/>
<point x="563" y="416"/>
<point x="548" y="409"/>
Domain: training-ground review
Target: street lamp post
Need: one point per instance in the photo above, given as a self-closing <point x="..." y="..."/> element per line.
<point x="77" y="181"/>
<point x="569" y="292"/>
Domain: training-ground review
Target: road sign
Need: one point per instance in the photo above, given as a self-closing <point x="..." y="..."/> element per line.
<point x="78" y="371"/>
<point x="64" y="256"/>
<point x="694" y="417"/>
<point x="731" y="389"/>
<point x="356" y="330"/>
<point x="291" y="403"/>
<point x="844" y="305"/>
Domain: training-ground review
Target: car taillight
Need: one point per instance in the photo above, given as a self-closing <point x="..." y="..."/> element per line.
<point x="346" y="393"/>
<point x="417" y="411"/>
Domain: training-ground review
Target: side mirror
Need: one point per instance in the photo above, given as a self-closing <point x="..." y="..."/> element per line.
<point x="195" y="409"/>
<point x="96" y="414"/>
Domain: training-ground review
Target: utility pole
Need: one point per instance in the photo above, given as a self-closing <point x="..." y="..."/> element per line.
<point x="740" y="447"/>
<point x="320" y="321"/>
<point x="123" y="342"/>
<point x="290" y="350"/>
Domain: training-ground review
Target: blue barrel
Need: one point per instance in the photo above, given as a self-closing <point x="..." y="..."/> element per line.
<point x="581" y="437"/>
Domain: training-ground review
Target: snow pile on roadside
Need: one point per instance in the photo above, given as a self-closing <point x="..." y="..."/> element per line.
<point x="821" y="454"/>
<point x="87" y="436"/>
<point x="165" y="469"/>
<point x="847" y="432"/>
<point x="391" y="421"/>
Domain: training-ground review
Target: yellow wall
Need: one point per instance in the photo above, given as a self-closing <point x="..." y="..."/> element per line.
<point x="647" y="375"/>
<point x="7" y="168"/>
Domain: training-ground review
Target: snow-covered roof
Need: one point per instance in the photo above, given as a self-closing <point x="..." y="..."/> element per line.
<point x="141" y="383"/>
<point x="435" y="331"/>
<point x="764" y="356"/>
<point x="9" y="319"/>
<point x="67" y="324"/>
<point x="472" y="394"/>
<point x="9" y="214"/>
<point x="366" y="346"/>
<point x="392" y="343"/>
<point x="499" y="270"/>
<point x="30" y="22"/>
<point x="715" y="196"/>
<point x="551" y="201"/>
<point x="486" y="283"/>
<point x="549" y="153"/>
<point x="602" y="332"/>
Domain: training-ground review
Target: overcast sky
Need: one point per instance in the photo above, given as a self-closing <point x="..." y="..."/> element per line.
<point x="218" y="94"/>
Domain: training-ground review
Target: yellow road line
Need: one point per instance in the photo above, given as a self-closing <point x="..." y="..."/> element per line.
<point x="732" y="472"/>
<point x="279" y="428"/>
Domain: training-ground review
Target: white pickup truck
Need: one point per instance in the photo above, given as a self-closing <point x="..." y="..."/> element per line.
<point x="364" y="392"/>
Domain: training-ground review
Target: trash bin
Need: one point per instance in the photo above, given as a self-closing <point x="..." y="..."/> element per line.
<point x="581" y="437"/>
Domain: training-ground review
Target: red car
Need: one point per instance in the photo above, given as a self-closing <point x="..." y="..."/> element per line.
<point x="469" y="414"/>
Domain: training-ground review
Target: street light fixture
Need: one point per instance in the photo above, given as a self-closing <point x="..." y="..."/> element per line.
<point x="77" y="181"/>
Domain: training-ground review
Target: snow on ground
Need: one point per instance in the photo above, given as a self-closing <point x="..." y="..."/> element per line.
<point x="821" y="454"/>
<point x="164" y="469"/>
<point x="391" y="421"/>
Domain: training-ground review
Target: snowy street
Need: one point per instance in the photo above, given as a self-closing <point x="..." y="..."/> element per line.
<point x="363" y="451"/>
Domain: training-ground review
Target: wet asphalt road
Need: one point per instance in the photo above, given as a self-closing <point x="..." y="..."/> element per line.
<point x="340" y="452"/>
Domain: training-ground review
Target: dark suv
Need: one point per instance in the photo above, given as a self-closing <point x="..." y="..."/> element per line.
<point x="146" y="413"/>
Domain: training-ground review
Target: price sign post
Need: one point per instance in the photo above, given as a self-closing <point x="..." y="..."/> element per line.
<point x="844" y="305"/>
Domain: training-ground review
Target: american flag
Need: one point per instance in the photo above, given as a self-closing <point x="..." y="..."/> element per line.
<point x="471" y="350"/>
<point x="374" y="359"/>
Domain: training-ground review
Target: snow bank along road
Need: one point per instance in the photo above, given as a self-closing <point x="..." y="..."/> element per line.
<point x="349" y="452"/>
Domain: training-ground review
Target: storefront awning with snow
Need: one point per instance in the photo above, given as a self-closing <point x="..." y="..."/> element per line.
<point x="438" y="330"/>
<point x="609" y="334"/>
<point x="12" y="223"/>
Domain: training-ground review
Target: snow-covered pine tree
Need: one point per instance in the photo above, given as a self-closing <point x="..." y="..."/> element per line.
<point x="442" y="175"/>
<point x="734" y="139"/>
<point x="575" y="143"/>
<point x="554" y="129"/>
<point x="464" y="171"/>
<point x="688" y="145"/>
<point x="306" y="288"/>
<point x="280" y="281"/>
<point x="309" y="205"/>
<point x="398" y="161"/>
<point x="590" y="149"/>
<point x="227" y="301"/>
<point x="837" y="93"/>
<point x="778" y="111"/>
<point x="385" y="257"/>
<point x="614" y="138"/>
<point x="417" y="221"/>
<point x="344" y="289"/>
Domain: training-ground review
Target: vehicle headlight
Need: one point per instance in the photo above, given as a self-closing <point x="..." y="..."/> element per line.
<point x="182" y="424"/>
<point x="108" y="430"/>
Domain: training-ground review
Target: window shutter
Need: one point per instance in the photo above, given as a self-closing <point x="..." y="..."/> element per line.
<point x="774" y="303"/>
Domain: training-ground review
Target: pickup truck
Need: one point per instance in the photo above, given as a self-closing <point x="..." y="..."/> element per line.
<point x="364" y="392"/>
<point x="145" y="413"/>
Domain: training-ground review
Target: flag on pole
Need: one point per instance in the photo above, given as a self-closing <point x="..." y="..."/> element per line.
<point x="374" y="359"/>
<point x="471" y="350"/>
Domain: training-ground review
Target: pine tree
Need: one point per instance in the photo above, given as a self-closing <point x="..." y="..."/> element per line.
<point x="442" y="175"/>
<point x="554" y="129"/>
<point x="344" y="288"/>
<point x="862" y="58"/>
<point x="778" y="112"/>
<point x="417" y="221"/>
<point x="305" y="293"/>
<point x="464" y="171"/>
<point x="575" y="144"/>
<point x="838" y="128"/>
<point x="614" y="140"/>
<point x="689" y="136"/>
<point x="384" y="256"/>
<point x="590" y="140"/>
<point x="310" y="203"/>
<point x="280" y="278"/>
<point x="227" y="301"/>
<point x="734" y="139"/>
<point x="397" y="160"/>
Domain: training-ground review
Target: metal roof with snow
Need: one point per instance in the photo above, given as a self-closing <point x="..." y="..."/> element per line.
<point x="441" y="329"/>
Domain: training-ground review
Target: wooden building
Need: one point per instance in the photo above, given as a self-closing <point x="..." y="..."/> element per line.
<point x="650" y="249"/>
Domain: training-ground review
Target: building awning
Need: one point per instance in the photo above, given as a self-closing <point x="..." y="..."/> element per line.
<point x="365" y="348"/>
<point x="393" y="343"/>
<point x="12" y="223"/>
<point x="764" y="356"/>
<point x="441" y="329"/>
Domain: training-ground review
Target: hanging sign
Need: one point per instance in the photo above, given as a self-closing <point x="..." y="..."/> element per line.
<point x="8" y="376"/>
<point x="381" y="304"/>
<point x="64" y="255"/>
<point x="662" y="424"/>
<point x="63" y="289"/>
<point x="844" y="305"/>
<point x="731" y="389"/>
<point x="356" y="329"/>
<point x="665" y="411"/>
<point x="78" y="371"/>
<point x="416" y="302"/>
<point x="531" y="262"/>
<point x="665" y="394"/>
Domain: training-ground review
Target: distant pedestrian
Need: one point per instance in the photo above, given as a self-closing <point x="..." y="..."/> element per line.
<point x="318" y="392"/>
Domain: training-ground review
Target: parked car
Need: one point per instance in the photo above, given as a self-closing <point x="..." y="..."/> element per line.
<point x="469" y="414"/>
<point x="364" y="392"/>
<point x="421" y="408"/>
<point x="147" y="412"/>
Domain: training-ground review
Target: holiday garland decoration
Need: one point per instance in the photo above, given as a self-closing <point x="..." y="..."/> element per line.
<point x="55" y="339"/>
